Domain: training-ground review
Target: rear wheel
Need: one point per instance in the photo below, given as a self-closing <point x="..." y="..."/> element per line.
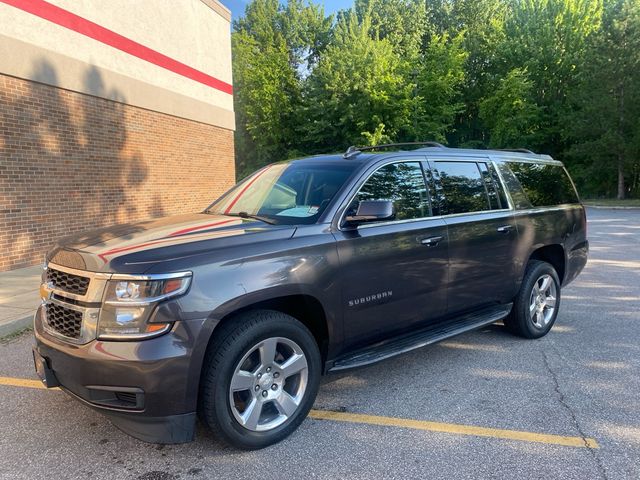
<point x="260" y="380"/>
<point x="535" y="308"/>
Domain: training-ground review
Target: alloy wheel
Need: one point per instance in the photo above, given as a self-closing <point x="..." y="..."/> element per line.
<point x="268" y="384"/>
<point x="542" y="303"/>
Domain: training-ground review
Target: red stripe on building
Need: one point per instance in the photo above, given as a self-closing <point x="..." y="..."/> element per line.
<point x="81" y="25"/>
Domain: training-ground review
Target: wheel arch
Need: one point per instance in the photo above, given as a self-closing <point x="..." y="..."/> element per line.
<point x="305" y="308"/>
<point x="553" y="254"/>
<point x="297" y="302"/>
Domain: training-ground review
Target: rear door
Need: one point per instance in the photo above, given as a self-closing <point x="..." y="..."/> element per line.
<point x="482" y="232"/>
<point x="393" y="274"/>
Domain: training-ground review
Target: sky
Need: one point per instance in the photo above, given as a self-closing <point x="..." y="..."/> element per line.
<point x="330" y="6"/>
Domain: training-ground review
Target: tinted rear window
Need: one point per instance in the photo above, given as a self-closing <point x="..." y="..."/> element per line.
<point x="545" y="185"/>
<point x="464" y="188"/>
<point x="495" y="191"/>
<point x="519" y="198"/>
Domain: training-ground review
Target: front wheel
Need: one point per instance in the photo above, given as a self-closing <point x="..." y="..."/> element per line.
<point x="260" y="380"/>
<point x="535" y="308"/>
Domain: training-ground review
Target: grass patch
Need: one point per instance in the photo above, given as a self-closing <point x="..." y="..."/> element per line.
<point x="14" y="335"/>
<point x="612" y="202"/>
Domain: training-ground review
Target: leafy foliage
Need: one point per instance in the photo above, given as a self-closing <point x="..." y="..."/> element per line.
<point x="356" y="87"/>
<point x="603" y="121"/>
<point x="557" y="76"/>
<point x="439" y="81"/>
<point x="510" y="114"/>
<point x="274" y="47"/>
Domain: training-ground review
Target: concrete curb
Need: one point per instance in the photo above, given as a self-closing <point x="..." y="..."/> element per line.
<point x="612" y="207"/>
<point x="14" y="326"/>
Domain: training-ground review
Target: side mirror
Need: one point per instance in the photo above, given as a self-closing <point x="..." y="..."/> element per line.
<point x="372" y="211"/>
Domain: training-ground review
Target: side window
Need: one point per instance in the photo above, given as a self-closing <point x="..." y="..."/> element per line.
<point x="502" y="194"/>
<point x="494" y="191"/>
<point x="520" y="200"/>
<point x="402" y="183"/>
<point x="544" y="184"/>
<point x="463" y="187"/>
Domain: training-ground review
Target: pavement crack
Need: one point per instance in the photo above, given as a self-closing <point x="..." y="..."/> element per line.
<point x="574" y="418"/>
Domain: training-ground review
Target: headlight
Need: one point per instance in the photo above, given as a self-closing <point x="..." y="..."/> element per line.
<point x="129" y="301"/>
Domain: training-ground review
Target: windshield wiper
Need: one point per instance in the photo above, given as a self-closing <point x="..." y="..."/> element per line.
<point x="248" y="215"/>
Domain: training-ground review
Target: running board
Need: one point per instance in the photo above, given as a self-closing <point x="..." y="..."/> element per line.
<point x="405" y="343"/>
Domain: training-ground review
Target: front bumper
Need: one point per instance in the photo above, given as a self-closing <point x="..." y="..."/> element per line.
<point x="147" y="388"/>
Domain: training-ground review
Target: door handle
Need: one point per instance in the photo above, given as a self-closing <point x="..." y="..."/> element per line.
<point x="505" y="228"/>
<point x="431" y="241"/>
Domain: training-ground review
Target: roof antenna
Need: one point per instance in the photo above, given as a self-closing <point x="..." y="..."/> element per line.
<point x="352" y="151"/>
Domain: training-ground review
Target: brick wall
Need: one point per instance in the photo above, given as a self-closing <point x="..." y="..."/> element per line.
<point x="70" y="162"/>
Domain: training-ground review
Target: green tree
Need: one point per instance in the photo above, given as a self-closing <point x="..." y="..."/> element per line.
<point x="548" y="39"/>
<point x="356" y="90"/>
<point x="557" y="76"/>
<point x="274" y="46"/>
<point x="510" y="113"/>
<point x="439" y="75"/>
<point x="481" y="23"/>
<point x="604" y="122"/>
<point x="402" y="22"/>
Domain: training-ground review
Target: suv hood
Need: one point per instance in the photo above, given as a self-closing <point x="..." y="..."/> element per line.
<point x="135" y="247"/>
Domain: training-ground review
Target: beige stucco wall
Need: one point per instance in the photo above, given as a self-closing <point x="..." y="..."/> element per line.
<point x="194" y="32"/>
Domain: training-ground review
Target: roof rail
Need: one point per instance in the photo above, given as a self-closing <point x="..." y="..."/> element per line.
<point x="353" y="150"/>
<point x="517" y="150"/>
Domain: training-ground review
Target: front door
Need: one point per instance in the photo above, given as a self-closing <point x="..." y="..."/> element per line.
<point x="482" y="233"/>
<point x="393" y="274"/>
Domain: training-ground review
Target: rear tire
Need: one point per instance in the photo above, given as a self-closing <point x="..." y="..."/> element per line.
<point x="536" y="305"/>
<point x="260" y="379"/>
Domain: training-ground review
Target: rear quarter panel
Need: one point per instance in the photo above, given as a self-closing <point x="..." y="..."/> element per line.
<point x="563" y="225"/>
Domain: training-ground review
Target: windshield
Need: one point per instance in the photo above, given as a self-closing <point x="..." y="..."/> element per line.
<point x="285" y="193"/>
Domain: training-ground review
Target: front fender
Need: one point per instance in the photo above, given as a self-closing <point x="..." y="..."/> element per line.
<point x="303" y="265"/>
<point x="273" y="293"/>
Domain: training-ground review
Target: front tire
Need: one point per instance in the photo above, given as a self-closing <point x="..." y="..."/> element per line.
<point x="260" y="379"/>
<point x="535" y="308"/>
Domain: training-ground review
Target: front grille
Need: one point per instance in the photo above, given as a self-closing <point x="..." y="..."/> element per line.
<point x="63" y="320"/>
<point x="68" y="282"/>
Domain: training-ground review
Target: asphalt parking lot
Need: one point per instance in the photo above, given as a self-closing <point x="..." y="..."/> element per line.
<point x="482" y="405"/>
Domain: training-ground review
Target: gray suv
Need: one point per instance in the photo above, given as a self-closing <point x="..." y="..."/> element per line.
<point x="305" y="267"/>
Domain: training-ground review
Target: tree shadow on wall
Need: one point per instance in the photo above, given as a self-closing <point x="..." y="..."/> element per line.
<point x="65" y="163"/>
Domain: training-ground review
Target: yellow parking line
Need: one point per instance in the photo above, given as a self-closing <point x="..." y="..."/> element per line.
<point x="455" y="428"/>
<point x="402" y="423"/>
<point x="21" y="382"/>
